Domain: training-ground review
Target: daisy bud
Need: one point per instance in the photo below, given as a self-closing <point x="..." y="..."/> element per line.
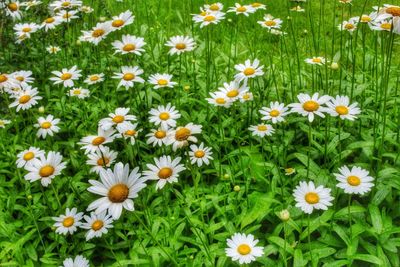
<point x="186" y="88"/>
<point x="284" y="215"/>
<point x="78" y="42"/>
<point x="305" y="31"/>
<point x="29" y="197"/>
<point x="236" y="188"/>
<point x="102" y="19"/>
<point x="334" y="66"/>
<point x="41" y="109"/>
<point x="226" y="176"/>
<point x="229" y="20"/>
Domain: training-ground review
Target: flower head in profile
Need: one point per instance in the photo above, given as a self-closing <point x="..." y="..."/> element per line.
<point x="93" y="142"/>
<point x="206" y="18"/>
<point x="78" y="261"/>
<point x="242" y="248"/>
<point x="315" y="61"/>
<point x="262" y="130"/>
<point x="118" y="119"/>
<point x="161" y="81"/>
<point x="242" y="9"/>
<point x="270" y="22"/>
<point x="97" y="33"/>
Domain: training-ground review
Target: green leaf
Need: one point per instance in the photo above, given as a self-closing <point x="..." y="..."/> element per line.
<point x="260" y="206"/>
<point x="376" y="218"/>
<point x="281" y="243"/>
<point x="298" y="260"/>
<point x="368" y="258"/>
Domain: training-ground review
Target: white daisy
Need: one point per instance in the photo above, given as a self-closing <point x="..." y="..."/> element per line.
<point x="248" y="70"/>
<point x="101" y="159"/>
<point x="129" y="131"/>
<point x="161" y="80"/>
<point x="270" y="22"/>
<point x="158" y="137"/>
<point x="242" y="248"/>
<point x="25" y="29"/>
<point x="165" y="171"/>
<point x="118" y="119"/>
<point x="86" y="9"/>
<point x="340" y="106"/>
<point x="66" y="76"/>
<point x="25" y="99"/>
<point x="315" y="61"/>
<point x="200" y="155"/>
<point x="122" y="20"/>
<point x="233" y="90"/>
<point x="23" y="77"/>
<point x="219" y="99"/>
<point x="12" y="9"/>
<point x="350" y="25"/>
<point x="310" y="106"/>
<point x="180" y="44"/>
<point x="7" y="81"/>
<point x="239" y="9"/>
<point x="31" y="3"/>
<point x="128" y="76"/>
<point x="79" y="92"/>
<point x="297" y="9"/>
<point x="257" y="6"/>
<point x="165" y="116"/>
<point x="308" y="197"/>
<point x="181" y="136"/>
<point x="262" y="130"/>
<point x="45" y="168"/>
<point x="94" y="78"/>
<point x="206" y="18"/>
<point x="97" y="224"/>
<point x="117" y="189"/>
<point x="79" y="261"/>
<point x="51" y="23"/>
<point x="53" y="49"/>
<point x="68" y="223"/>
<point x="67" y="15"/>
<point x="27" y="156"/>
<point x="382" y="25"/>
<point x="276" y="112"/>
<point x="354" y="181"/>
<point x="97" y="33"/>
<point x="93" y="142"/>
<point x="129" y="44"/>
<point x="214" y="7"/>
<point x="47" y="126"/>
<point x="3" y="123"/>
<point x="65" y="4"/>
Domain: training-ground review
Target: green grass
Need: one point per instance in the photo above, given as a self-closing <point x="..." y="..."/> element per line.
<point x="187" y="223"/>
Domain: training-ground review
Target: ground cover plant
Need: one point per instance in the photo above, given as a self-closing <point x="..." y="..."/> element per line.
<point x="193" y="133"/>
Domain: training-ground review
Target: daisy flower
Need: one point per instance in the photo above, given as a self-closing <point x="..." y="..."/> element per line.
<point x="200" y="155"/>
<point x="86" y="9"/>
<point x="23" y="78"/>
<point x="270" y="22"/>
<point x="257" y="6"/>
<point x="214" y="7"/>
<point x="158" y="137"/>
<point x="79" y="92"/>
<point x="242" y="248"/>
<point x="13" y="9"/>
<point x="315" y="61"/>
<point x="97" y="224"/>
<point x="32" y="3"/>
<point x="45" y="168"/>
<point x="3" y="123"/>
<point x="239" y="9"/>
<point x="66" y="76"/>
<point x="101" y="159"/>
<point x="219" y="99"/>
<point x="47" y="126"/>
<point x="129" y="44"/>
<point x="118" y="119"/>
<point x="28" y="156"/>
<point x="65" y="4"/>
<point x="128" y="76"/>
<point x="165" y="116"/>
<point x="276" y="112"/>
<point x="129" y="131"/>
<point x="350" y="25"/>
<point x="383" y="25"/>
<point x="25" y="29"/>
<point x="94" y="78"/>
<point x="297" y="9"/>
<point x="354" y="181"/>
<point x="161" y="80"/>
<point x="68" y="223"/>
<point x="53" y="49"/>
<point x="122" y="20"/>
<point x="181" y="136"/>
<point x="117" y="189"/>
<point x="248" y="70"/>
<point x="25" y="99"/>
<point x="308" y="197"/>
<point x="289" y="171"/>
<point x="165" y="171"/>
<point x="310" y="106"/>
<point x="233" y="90"/>
<point x="67" y="15"/>
<point x="180" y="44"/>
<point x="7" y="81"/>
<point x="79" y="261"/>
<point x="340" y="106"/>
<point x="206" y="18"/>
<point x="262" y="130"/>
<point x="93" y="142"/>
<point x="51" y="23"/>
<point x="97" y="34"/>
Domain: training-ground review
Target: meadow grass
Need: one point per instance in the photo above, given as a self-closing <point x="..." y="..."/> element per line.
<point x="245" y="187"/>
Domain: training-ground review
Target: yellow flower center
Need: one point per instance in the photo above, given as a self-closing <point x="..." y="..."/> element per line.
<point x="365" y="18"/>
<point x="118" y="23"/>
<point x="97" y="225"/>
<point x="349" y="26"/>
<point x="128" y="76"/>
<point x="67" y="15"/>
<point x="310" y="106"/>
<point x="342" y="110"/>
<point x="49" y="20"/>
<point x="162" y="82"/>
<point x="203" y="13"/>
<point x="27" y="29"/>
<point x="256" y="4"/>
<point x="233" y="93"/>
<point x="68" y="221"/>
<point x="199" y="154"/>
<point x="289" y="170"/>
<point x="214" y="7"/>
<point x="246" y="96"/>
<point x="316" y="60"/>
<point x="94" y="78"/>
<point x="165" y="173"/>
<point x="241" y="9"/>
<point x="244" y="249"/>
<point x="118" y="193"/>
<point x="28" y="156"/>
<point x="312" y="198"/>
<point x="12" y="6"/>
<point x="24" y="99"/>
<point x="103" y="162"/>
<point x="353" y="180"/>
<point x="180" y="46"/>
<point x="386" y="26"/>
<point x="3" y="78"/>
<point x="164" y="116"/>
<point x="46" y="171"/>
<point x="274" y="113"/>
<point x="262" y="128"/>
<point x="269" y="23"/>
<point x="182" y="134"/>
<point x="66" y="4"/>
<point x="20" y="78"/>
<point x="209" y="18"/>
<point x="45" y="125"/>
<point x="76" y="92"/>
<point x="118" y="119"/>
<point x="249" y="71"/>
<point x="98" y="32"/>
<point x="160" y="134"/>
<point x="220" y="100"/>
<point x="130" y="132"/>
<point x="129" y="47"/>
<point x="98" y="140"/>
<point x="393" y="10"/>
<point x="66" y="76"/>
